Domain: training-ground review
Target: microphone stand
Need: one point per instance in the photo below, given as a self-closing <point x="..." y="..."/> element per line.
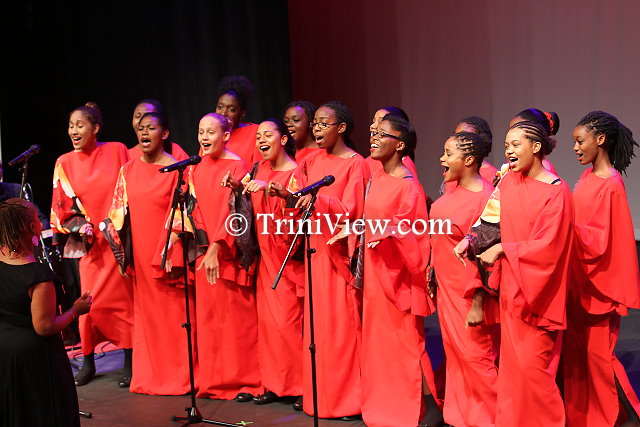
<point x="309" y="296"/>
<point x="193" y="413"/>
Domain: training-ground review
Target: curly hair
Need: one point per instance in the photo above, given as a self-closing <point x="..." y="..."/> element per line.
<point x="16" y="217"/>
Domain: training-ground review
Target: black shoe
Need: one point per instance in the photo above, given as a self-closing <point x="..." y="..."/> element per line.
<point x="297" y="406"/>
<point x="244" y="397"/>
<point x="124" y="382"/>
<point x="266" y="398"/>
<point x="85" y="374"/>
<point x="351" y="418"/>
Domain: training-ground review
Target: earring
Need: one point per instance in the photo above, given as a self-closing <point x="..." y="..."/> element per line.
<point x="35" y="241"/>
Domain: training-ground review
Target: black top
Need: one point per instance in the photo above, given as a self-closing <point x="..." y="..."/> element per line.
<point x="15" y="281"/>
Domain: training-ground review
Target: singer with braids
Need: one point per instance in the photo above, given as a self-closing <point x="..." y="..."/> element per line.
<point x="298" y="116"/>
<point x="605" y="281"/>
<point x="467" y="314"/>
<point x="234" y="94"/>
<point x="134" y="229"/>
<point x="150" y="105"/>
<point x="83" y="182"/>
<point x="549" y="121"/>
<point x="336" y="301"/>
<point x="536" y="227"/>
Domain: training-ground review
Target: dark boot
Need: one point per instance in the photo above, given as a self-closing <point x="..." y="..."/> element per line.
<point x="433" y="416"/>
<point x="632" y="417"/>
<point x="125" y="381"/>
<point x="87" y="371"/>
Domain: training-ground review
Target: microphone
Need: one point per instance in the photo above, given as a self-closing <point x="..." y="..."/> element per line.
<point x="327" y="180"/>
<point x="34" y="149"/>
<point x="181" y="165"/>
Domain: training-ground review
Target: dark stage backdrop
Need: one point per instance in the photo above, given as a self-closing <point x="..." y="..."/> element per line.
<point x="445" y="60"/>
<point x="58" y="55"/>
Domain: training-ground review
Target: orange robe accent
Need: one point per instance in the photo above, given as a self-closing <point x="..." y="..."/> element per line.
<point x="176" y="151"/>
<point x="279" y="310"/>
<point x="82" y="186"/>
<point x="243" y="143"/>
<point x="395" y="302"/>
<point x="337" y="303"/>
<point x="305" y="152"/>
<point x="471" y="373"/>
<point x="605" y="283"/>
<point x="536" y="227"/>
<point x="226" y="319"/>
<point x="375" y="166"/>
<point x="160" y="357"/>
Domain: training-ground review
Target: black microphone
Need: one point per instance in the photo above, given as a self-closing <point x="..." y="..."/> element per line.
<point x="181" y="164"/>
<point x="34" y="149"/>
<point x="327" y="180"/>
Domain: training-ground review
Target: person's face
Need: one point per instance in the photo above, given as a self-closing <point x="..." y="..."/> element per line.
<point x="453" y="161"/>
<point x="229" y="106"/>
<point x="377" y="118"/>
<point x="519" y="150"/>
<point x="327" y="138"/>
<point x="269" y="140"/>
<point x="466" y="127"/>
<point x="212" y="137"/>
<point x="139" y="112"/>
<point x="81" y="131"/>
<point x="298" y="123"/>
<point x="385" y="142"/>
<point x="586" y="144"/>
<point x="151" y="135"/>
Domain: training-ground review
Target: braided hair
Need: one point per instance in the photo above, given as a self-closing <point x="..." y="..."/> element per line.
<point x="343" y="115"/>
<point x="549" y="121"/>
<point x="471" y="144"/>
<point x="16" y="217"/>
<point x="482" y="128"/>
<point x="407" y="132"/>
<point x="91" y="112"/>
<point x="618" y="142"/>
<point x="534" y="132"/>
<point x="290" y="145"/>
<point x="238" y="86"/>
<point x="308" y="107"/>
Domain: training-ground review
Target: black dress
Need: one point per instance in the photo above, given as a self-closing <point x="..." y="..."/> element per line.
<point x="36" y="382"/>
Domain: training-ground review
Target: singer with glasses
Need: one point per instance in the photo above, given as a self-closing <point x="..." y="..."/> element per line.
<point x="134" y="229"/>
<point x="337" y="303"/>
<point x="407" y="160"/>
<point x="83" y="182"/>
<point x="226" y="320"/>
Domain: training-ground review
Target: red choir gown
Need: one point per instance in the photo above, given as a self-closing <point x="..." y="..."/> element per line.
<point x="141" y="200"/>
<point x="82" y="190"/>
<point x="243" y="143"/>
<point x="471" y="372"/>
<point x="487" y="172"/>
<point x="280" y="310"/>
<point x="305" y="152"/>
<point x="605" y="283"/>
<point x="375" y="166"/>
<point x="176" y="151"/>
<point x="536" y="226"/>
<point x="226" y="319"/>
<point x="395" y="301"/>
<point x="337" y="303"/>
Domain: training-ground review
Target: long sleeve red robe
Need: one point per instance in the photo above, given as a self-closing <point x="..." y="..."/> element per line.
<point x="176" y="151"/>
<point x="471" y="371"/>
<point x="395" y="302"/>
<point x="82" y="186"/>
<point x="142" y="198"/>
<point x="605" y="283"/>
<point x="305" y="152"/>
<point x="374" y="165"/>
<point x="243" y="143"/>
<point x="226" y="319"/>
<point x="336" y="302"/>
<point x="279" y="310"/>
<point x="536" y="223"/>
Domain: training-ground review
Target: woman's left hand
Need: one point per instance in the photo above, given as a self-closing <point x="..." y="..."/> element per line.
<point x="491" y="255"/>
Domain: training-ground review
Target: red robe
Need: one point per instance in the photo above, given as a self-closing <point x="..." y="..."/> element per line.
<point x="395" y="302"/>
<point x="226" y="319"/>
<point x="375" y="165"/>
<point x="605" y="283"/>
<point x="471" y="372"/>
<point x="305" y="152"/>
<point x="487" y="172"/>
<point x="176" y="151"/>
<point x="243" y="143"/>
<point x="336" y="301"/>
<point x="142" y="198"/>
<point x="280" y="310"/>
<point x="536" y="222"/>
<point x="82" y="186"/>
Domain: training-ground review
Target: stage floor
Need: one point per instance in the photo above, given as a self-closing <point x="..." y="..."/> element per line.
<point x="112" y="406"/>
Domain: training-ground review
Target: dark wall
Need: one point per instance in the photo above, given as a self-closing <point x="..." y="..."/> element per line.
<point x="58" y="55"/>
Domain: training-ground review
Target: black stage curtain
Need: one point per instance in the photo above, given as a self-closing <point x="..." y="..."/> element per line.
<point x="58" y="55"/>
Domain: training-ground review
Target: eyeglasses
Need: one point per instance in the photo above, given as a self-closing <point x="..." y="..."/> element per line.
<point x="323" y="125"/>
<point x="380" y="135"/>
